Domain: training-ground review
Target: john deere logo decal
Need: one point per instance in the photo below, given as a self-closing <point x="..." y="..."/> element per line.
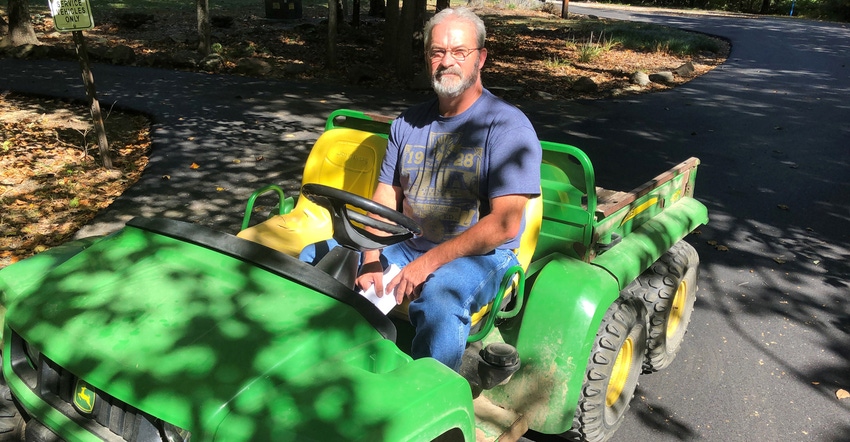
<point x="83" y="397"/>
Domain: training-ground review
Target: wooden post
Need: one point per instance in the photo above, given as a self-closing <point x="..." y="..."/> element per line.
<point x="88" y="80"/>
<point x="565" y="9"/>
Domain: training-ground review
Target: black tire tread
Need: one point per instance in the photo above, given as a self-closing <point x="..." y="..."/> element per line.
<point x="656" y="288"/>
<point x="623" y="318"/>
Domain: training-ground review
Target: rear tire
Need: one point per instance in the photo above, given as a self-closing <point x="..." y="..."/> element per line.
<point x="612" y="372"/>
<point x="668" y="290"/>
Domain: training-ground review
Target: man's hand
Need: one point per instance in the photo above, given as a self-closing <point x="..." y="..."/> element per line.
<point x="408" y="283"/>
<point x="371" y="274"/>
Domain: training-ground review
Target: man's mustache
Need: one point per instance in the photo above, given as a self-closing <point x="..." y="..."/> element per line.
<point x="453" y="70"/>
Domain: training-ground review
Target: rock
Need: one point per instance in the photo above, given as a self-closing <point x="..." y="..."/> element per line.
<point x="185" y="59"/>
<point x="158" y="59"/>
<point x="121" y="55"/>
<point x="640" y="78"/>
<point x="59" y="52"/>
<point x="544" y="96"/>
<point x="23" y="51"/>
<point x="98" y="53"/>
<point x="662" y="77"/>
<point x="253" y="66"/>
<point x="585" y="84"/>
<point x="294" y="68"/>
<point x="211" y="63"/>
<point x="685" y="70"/>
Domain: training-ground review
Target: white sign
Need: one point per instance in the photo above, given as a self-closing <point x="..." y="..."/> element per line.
<point x="71" y="15"/>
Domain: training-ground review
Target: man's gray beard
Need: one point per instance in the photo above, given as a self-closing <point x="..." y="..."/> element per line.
<point x="455" y="89"/>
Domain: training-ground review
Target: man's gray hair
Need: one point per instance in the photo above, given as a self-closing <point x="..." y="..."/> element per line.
<point x="462" y="14"/>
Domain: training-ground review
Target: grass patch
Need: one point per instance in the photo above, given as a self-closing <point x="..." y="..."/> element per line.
<point x="645" y="37"/>
<point x="588" y="52"/>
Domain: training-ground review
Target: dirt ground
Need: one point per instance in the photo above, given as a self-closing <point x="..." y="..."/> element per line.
<point x="51" y="182"/>
<point x="532" y="53"/>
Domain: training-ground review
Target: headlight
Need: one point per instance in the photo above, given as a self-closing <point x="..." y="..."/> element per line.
<point x="173" y="433"/>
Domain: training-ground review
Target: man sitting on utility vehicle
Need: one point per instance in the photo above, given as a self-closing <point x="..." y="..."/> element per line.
<point x="463" y="165"/>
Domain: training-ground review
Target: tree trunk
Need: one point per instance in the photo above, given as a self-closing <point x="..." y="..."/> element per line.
<point x="333" y="22"/>
<point x="21" y="31"/>
<point x="355" y="13"/>
<point x="765" y="7"/>
<point x="205" y="41"/>
<point x="565" y="9"/>
<point x="391" y="33"/>
<point x="404" y="55"/>
<point x="377" y="8"/>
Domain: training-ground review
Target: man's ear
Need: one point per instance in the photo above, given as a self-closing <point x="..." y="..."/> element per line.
<point x="482" y="56"/>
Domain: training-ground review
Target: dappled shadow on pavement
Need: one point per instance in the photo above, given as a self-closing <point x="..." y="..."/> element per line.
<point x="239" y="133"/>
<point x="766" y="349"/>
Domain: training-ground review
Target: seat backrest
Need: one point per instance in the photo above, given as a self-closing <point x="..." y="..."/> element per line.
<point x="346" y="159"/>
<point x="528" y="240"/>
<point x="343" y="158"/>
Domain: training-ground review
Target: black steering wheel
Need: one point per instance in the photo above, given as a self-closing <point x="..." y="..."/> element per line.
<point x="350" y="225"/>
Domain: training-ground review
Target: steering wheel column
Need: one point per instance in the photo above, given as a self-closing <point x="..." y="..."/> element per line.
<point x="355" y="231"/>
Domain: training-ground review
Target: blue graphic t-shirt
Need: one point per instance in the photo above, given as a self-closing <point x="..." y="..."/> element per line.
<point x="450" y="168"/>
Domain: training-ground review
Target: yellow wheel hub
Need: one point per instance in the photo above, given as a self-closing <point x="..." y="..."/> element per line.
<point x="620" y="372"/>
<point x="677" y="308"/>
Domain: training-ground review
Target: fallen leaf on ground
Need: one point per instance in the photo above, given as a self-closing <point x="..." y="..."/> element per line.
<point x="842" y="394"/>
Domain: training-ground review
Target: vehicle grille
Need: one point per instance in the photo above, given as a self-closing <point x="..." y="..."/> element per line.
<point x="110" y="419"/>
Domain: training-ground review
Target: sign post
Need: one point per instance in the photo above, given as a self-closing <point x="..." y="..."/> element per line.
<point x="75" y="16"/>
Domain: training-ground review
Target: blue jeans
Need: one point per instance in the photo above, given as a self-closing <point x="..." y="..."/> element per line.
<point x="442" y="313"/>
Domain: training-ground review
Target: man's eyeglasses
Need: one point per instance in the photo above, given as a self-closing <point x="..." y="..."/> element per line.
<point x="458" y="54"/>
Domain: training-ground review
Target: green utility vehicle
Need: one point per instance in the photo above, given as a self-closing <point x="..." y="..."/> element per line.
<point x="170" y="331"/>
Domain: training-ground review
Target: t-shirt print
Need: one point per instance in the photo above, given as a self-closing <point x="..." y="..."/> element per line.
<point x="442" y="185"/>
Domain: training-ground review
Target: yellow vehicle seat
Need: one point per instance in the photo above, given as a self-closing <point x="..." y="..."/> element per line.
<point x="343" y="158"/>
<point x="527" y="244"/>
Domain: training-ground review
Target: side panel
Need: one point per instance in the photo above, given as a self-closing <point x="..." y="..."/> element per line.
<point x="637" y="251"/>
<point x="554" y="335"/>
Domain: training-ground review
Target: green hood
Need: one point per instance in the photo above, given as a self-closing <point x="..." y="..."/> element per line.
<point x="159" y="320"/>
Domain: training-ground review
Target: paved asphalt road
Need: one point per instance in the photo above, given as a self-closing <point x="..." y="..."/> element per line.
<point x="769" y="342"/>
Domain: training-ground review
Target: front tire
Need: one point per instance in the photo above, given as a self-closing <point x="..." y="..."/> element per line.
<point x="668" y="290"/>
<point x="11" y="422"/>
<point x="612" y="372"/>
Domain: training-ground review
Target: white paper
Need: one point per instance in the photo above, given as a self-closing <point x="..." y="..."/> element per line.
<point x="387" y="302"/>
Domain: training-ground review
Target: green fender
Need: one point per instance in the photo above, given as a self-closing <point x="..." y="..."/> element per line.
<point x="554" y="335"/>
<point x="637" y="251"/>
